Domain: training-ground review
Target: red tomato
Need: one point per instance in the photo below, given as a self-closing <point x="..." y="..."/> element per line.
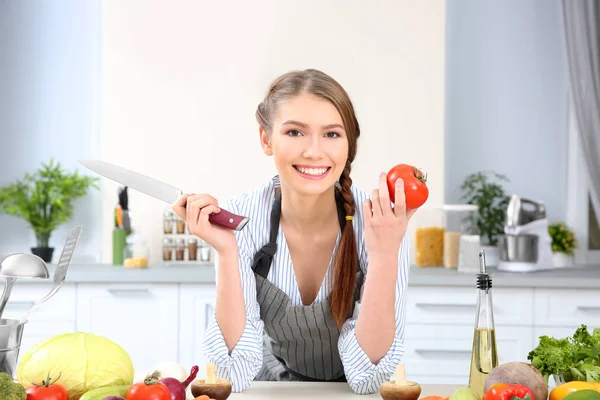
<point x="148" y="390"/>
<point x="47" y="391"/>
<point x="415" y="188"/>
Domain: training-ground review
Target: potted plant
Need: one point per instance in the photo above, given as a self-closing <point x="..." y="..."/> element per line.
<point x="563" y="244"/>
<point x="484" y="189"/>
<point x="45" y="200"/>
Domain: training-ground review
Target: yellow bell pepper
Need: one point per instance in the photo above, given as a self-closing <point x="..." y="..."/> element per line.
<point x="561" y="391"/>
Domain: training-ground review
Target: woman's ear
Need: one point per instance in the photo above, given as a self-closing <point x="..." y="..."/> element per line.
<point x="265" y="141"/>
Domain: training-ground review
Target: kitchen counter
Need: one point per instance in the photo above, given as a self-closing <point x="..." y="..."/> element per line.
<point x="321" y="390"/>
<point x="571" y="277"/>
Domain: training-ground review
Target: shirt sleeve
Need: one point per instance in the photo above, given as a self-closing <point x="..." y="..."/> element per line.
<point x="363" y="376"/>
<point x="246" y="358"/>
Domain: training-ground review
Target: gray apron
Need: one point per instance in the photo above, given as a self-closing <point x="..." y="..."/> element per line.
<point x="300" y="342"/>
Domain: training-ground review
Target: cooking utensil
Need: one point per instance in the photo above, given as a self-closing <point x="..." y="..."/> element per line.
<point x="21" y="265"/>
<point x="11" y="333"/>
<point x="521" y="211"/>
<point x="61" y="269"/>
<point x="159" y="190"/>
<point x="518" y="248"/>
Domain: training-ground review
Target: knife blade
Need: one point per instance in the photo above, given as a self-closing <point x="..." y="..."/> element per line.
<point x="159" y="190"/>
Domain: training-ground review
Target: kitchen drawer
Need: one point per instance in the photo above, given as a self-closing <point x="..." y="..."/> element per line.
<point x="445" y="350"/>
<point x="567" y="307"/>
<point x="60" y="307"/>
<point x="458" y="305"/>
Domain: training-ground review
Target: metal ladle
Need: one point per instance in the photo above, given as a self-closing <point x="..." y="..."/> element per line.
<point x="20" y="265"/>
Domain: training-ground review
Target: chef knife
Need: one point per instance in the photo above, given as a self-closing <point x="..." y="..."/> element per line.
<point x="159" y="190"/>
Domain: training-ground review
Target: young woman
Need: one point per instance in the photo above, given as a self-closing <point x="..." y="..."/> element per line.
<point x="314" y="287"/>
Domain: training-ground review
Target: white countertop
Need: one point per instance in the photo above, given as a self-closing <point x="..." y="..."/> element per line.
<point x="321" y="390"/>
<point x="571" y="277"/>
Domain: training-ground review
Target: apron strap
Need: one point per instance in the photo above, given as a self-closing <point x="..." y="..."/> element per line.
<point x="261" y="263"/>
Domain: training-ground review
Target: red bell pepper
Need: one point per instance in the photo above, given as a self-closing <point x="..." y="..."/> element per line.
<point x="506" y="391"/>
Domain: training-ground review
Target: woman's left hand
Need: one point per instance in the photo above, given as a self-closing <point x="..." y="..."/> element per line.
<point x="385" y="225"/>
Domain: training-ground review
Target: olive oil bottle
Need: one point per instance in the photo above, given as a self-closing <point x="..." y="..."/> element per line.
<point x="484" y="356"/>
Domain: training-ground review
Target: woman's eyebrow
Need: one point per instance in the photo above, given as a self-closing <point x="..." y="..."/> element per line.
<point x="303" y="125"/>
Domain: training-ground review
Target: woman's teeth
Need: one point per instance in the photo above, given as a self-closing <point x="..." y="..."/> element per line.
<point x="312" y="171"/>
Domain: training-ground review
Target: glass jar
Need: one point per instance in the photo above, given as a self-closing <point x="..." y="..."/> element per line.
<point x="168" y="220"/>
<point x="192" y="249"/>
<point x="459" y="221"/>
<point x="180" y="250"/>
<point x="205" y="251"/>
<point x="438" y="233"/>
<point x="136" y="253"/>
<point x="180" y="226"/>
<point x="167" y="249"/>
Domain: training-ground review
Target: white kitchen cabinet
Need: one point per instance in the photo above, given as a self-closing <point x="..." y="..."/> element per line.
<point x="142" y="318"/>
<point x="567" y="307"/>
<point x="442" y="353"/>
<point x="196" y="307"/>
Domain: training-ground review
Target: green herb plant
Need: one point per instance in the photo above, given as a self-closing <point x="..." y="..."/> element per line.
<point x="45" y="198"/>
<point x="485" y="190"/>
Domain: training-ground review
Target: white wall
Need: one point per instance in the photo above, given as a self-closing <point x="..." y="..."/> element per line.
<point x="181" y="82"/>
<point x="506" y="98"/>
<point x="49" y="107"/>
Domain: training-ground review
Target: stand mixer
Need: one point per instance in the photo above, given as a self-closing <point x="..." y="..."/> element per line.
<point x="526" y="245"/>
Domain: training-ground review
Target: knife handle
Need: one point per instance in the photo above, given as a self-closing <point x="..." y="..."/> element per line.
<point x="228" y="220"/>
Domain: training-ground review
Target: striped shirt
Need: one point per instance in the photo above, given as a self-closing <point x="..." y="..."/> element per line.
<point x="243" y="364"/>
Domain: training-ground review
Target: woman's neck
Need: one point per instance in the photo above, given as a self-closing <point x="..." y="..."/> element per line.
<point x="308" y="214"/>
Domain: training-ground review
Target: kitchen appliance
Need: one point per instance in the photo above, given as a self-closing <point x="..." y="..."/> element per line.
<point x="159" y="190"/>
<point x="21" y="265"/>
<point x="526" y="245"/>
<point x="61" y="269"/>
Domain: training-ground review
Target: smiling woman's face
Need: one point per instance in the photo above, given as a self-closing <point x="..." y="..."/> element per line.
<point x="309" y="144"/>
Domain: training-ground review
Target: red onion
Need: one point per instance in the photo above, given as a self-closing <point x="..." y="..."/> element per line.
<point x="177" y="388"/>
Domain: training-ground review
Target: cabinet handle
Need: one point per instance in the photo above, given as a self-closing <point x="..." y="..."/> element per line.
<point x="589" y="308"/>
<point x="131" y="291"/>
<point x="452" y="351"/>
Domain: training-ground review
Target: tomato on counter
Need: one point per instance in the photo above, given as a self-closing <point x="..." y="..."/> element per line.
<point x="149" y="389"/>
<point x="47" y="390"/>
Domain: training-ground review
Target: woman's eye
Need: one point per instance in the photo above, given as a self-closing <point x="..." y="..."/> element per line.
<point x="294" y="132"/>
<point x="333" y="134"/>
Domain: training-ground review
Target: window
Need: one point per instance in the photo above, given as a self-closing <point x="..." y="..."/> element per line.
<point x="580" y="212"/>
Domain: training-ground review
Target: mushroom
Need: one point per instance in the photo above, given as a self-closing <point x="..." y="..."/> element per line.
<point x="400" y="389"/>
<point x="217" y="389"/>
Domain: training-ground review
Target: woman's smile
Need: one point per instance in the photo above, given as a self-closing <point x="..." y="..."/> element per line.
<point x="314" y="172"/>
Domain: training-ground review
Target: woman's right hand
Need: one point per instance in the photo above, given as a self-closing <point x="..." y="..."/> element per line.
<point x="194" y="209"/>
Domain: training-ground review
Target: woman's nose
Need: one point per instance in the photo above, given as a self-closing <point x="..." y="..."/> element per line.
<point x="313" y="147"/>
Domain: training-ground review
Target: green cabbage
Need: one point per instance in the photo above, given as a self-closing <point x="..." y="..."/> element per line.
<point x="84" y="361"/>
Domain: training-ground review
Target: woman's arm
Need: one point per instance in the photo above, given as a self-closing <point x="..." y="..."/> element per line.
<point x="366" y="371"/>
<point x="234" y="337"/>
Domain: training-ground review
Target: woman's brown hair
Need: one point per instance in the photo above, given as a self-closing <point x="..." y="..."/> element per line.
<point x="322" y="85"/>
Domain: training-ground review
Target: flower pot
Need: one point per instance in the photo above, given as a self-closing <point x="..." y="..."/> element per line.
<point x="562" y="260"/>
<point x="45" y="253"/>
<point x="492" y="255"/>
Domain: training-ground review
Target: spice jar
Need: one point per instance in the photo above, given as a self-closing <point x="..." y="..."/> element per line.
<point x="167" y="249"/>
<point x="180" y="250"/>
<point x="180" y="226"/>
<point x="205" y="251"/>
<point x="192" y="249"/>
<point x="168" y="219"/>
<point x="136" y="253"/>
